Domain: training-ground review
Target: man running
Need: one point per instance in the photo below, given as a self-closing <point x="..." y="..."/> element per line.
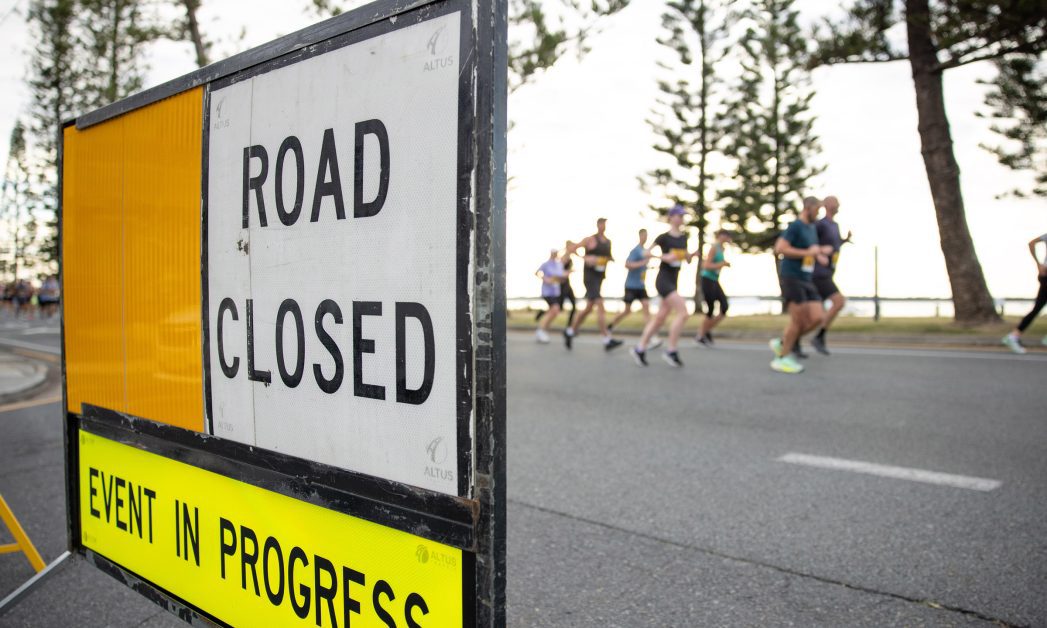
<point x="597" y="256"/>
<point x="712" y="292"/>
<point x="799" y="246"/>
<point x="674" y="254"/>
<point x="828" y="236"/>
<point x="1013" y="339"/>
<point x="551" y="274"/>
<point x="636" y="282"/>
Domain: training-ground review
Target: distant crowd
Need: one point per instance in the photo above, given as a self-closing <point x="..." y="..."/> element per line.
<point x="22" y="299"/>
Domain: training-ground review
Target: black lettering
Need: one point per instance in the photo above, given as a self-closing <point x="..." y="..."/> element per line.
<point x="248" y="558"/>
<point x="302" y="610"/>
<point x="228" y="548"/>
<point x="382" y="588"/>
<point x="107" y="496"/>
<point x="370" y="208"/>
<point x="293" y="145"/>
<point x="134" y="508"/>
<point x="191" y="532"/>
<point x="418" y="312"/>
<point x="414" y="601"/>
<point x="120" y="484"/>
<point x="151" y="494"/>
<point x="252" y="374"/>
<point x="178" y="529"/>
<point x="272" y="545"/>
<point x="329" y="386"/>
<point x="230" y="370"/>
<point x="361" y="346"/>
<point x="291" y="380"/>
<point x="255" y="183"/>
<point x="92" y="491"/>
<point x="321" y="564"/>
<point x="325" y="187"/>
<point x="351" y="605"/>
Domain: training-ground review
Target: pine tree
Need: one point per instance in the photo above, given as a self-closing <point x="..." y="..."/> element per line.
<point x="941" y="35"/>
<point x="18" y="207"/>
<point x="769" y="125"/>
<point x="1018" y="104"/>
<point x="114" y="35"/>
<point x="687" y="115"/>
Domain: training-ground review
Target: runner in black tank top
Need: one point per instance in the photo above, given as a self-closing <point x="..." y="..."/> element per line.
<point x="597" y="257"/>
<point x="674" y="254"/>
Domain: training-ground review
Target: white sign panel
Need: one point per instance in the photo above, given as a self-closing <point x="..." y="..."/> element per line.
<point x="333" y="257"/>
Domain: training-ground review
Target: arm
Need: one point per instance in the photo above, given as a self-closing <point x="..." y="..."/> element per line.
<point x="1042" y="268"/>
<point x="640" y="263"/>
<point x="784" y="248"/>
<point x="709" y="264"/>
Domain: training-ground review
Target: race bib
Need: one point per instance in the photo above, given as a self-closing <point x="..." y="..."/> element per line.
<point x="836" y="258"/>
<point x="680" y="255"/>
<point x="808" y="264"/>
<point x="601" y="263"/>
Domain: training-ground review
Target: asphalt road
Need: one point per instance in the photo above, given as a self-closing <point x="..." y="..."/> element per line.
<point x="659" y="497"/>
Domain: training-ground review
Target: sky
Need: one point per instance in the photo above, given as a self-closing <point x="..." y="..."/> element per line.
<point x="580" y="139"/>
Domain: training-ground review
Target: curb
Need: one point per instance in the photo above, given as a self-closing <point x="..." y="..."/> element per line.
<point x="19" y="375"/>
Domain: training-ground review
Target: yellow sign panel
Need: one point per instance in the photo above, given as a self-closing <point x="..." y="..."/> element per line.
<point x="252" y="557"/>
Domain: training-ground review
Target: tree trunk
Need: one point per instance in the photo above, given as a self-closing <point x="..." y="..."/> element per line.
<point x="971" y="299"/>
<point x="194" y="32"/>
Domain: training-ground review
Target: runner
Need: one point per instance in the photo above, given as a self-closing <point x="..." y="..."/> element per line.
<point x="1013" y="340"/>
<point x="636" y="285"/>
<point x="674" y="254"/>
<point x="566" y="291"/>
<point x="799" y="246"/>
<point x="828" y="235"/>
<point x="712" y="293"/>
<point x="551" y="274"/>
<point x="597" y="256"/>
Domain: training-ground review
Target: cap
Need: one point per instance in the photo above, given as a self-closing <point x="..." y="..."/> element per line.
<point x="677" y="210"/>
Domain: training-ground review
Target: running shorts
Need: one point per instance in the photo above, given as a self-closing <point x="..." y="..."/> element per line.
<point x="635" y="294"/>
<point x="826" y="286"/>
<point x="712" y="292"/>
<point x="593" y="281"/>
<point x="551" y="301"/>
<point x="795" y="290"/>
<point x="664" y="284"/>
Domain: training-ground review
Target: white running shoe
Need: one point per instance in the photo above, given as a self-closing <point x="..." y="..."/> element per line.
<point x="657" y="342"/>
<point x="1013" y="344"/>
<point x="541" y="336"/>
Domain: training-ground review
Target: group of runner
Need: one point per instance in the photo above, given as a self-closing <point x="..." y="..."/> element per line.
<point x="809" y="247"/>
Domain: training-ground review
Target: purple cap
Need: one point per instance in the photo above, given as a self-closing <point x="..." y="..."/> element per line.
<point x="677" y="210"/>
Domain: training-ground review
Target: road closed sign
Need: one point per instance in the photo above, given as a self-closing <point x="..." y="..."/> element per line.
<point x="336" y="252"/>
<point x="283" y="327"/>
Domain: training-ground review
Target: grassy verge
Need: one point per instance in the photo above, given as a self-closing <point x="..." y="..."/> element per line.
<point x="766" y="325"/>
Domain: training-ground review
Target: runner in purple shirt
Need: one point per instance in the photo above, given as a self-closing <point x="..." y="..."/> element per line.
<point x="551" y="273"/>
<point x="829" y="235"/>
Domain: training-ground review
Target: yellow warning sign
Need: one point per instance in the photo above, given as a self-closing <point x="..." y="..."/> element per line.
<point x="253" y="557"/>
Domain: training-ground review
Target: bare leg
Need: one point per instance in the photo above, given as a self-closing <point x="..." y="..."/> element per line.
<point x="654" y="325"/>
<point x="815" y="316"/>
<point x="710" y="324"/>
<point x="797" y="321"/>
<point x="589" y="305"/>
<point x="621" y="316"/>
<point x="676" y="302"/>
<point x="547" y="320"/>
<point x="838" y="301"/>
<point x="645" y="307"/>
<point x="601" y="318"/>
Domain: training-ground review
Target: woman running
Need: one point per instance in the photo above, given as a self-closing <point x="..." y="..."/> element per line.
<point x="674" y="254"/>
<point x="711" y="290"/>
<point x="551" y="273"/>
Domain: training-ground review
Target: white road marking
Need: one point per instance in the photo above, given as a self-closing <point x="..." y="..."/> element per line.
<point x="10" y="342"/>
<point x="37" y="331"/>
<point x="898" y="473"/>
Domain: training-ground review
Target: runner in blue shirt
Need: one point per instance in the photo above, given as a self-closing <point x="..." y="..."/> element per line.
<point x="712" y="293"/>
<point x="799" y="247"/>
<point x="829" y="235"/>
<point x="551" y="273"/>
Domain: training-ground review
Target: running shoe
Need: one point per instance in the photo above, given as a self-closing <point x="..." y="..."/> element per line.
<point x="1013" y="344"/>
<point x="612" y="344"/>
<point x="568" y="338"/>
<point x="819" y="345"/>
<point x="640" y="357"/>
<point x="799" y="353"/>
<point x="672" y="358"/>
<point x="541" y="336"/>
<point x="788" y="364"/>
<point x="709" y="337"/>
<point x="702" y="340"/>
<point x="776" y="346"/>
<point x="657" y="342"/>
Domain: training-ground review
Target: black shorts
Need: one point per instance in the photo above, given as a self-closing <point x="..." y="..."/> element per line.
<point x="551" y="301"/>
<point x="635" y="294"/>
<point x="665" y="283"/>
<point x="826" y="286"/>
<point x="712" y="293"/>
<point x="795" y="290"/>
<point x="593" y="281"/>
